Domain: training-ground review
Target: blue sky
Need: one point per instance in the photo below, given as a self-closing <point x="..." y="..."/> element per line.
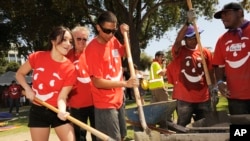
<point x="212" y="30"/>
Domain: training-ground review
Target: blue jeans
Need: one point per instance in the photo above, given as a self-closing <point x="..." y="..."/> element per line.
<point x="186" y="111"/>
<point x="14" y="102"/>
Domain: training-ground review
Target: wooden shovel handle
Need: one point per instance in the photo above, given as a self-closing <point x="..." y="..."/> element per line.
<point x="136" y="90"/>
<point x="93" y="131"/>
<point x="189" y="3"/>
<point x="204" y="64"/>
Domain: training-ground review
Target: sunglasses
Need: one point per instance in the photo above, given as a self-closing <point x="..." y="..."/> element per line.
<point x="81" y="39"/>
<point x="108" y="31"/>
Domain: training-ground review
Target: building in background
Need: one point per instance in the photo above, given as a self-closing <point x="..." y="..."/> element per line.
<point x="13" y="55"/>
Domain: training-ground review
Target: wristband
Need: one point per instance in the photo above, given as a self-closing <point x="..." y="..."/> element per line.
<point x="219" y="82"/>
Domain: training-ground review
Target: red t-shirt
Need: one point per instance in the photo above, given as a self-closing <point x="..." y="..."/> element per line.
<point x="104" y="61"/>
<point x="187" y="75"/>
<point x="49" y="76"/>
<point x="14" y="91"/>
<point x="80" y="96"/>
<point x="233" y="51"/>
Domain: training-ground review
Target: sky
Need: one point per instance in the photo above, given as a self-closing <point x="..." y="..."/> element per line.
<point x="212" y="30"/>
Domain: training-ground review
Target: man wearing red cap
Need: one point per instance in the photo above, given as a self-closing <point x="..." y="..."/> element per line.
<point x="231" y="58"/>
<point x="187" y="75"/>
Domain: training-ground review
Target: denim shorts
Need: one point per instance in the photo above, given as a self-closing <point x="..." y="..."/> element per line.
<point x="40" y="116"/>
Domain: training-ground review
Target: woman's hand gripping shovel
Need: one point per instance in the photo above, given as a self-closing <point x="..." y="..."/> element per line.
<point x="147" y="135"/>
<point x="88" y="128"/>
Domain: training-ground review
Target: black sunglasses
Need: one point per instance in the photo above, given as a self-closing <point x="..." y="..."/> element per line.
<point x="81" y="39"/>
<point x="108" y="31"/>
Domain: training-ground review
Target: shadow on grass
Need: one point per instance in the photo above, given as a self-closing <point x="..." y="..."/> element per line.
<point x="19" y="121"/>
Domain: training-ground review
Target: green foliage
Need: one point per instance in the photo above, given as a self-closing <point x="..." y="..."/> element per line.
<point x="3" y="62"/>
<point x="32" y="20"/>
<point x="12" y="66"/>
<point x="169" y="57"/>
<point x="145" y="61"/>
<point x="2" y="70"/>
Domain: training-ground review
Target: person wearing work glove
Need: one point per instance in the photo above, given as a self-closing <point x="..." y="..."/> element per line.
<point x="187" y="75"/>
<point x="231" y="58"/>
<point x="191" y="16"/>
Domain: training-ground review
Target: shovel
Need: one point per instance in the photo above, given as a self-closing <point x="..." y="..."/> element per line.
<point x="146" y="135"/>
<point x="95" y="132"/>
<point x="214" y="98"/>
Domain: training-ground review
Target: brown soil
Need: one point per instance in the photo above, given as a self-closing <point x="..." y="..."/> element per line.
<point x="25" y="136"/>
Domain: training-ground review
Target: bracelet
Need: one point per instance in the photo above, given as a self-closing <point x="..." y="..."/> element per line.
<point x="219" y="82"/>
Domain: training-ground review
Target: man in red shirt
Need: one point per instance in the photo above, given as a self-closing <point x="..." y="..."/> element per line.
<point x="80" y="99"/>
<point x="187" y="75"/>
<point x="103" y="56"/>
<point x="14" y="94"/>
<point x="231" y="58"/>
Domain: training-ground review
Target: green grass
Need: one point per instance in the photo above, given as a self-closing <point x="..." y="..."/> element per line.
<point x="22" y="120"/>
<point x="131" y="104"/>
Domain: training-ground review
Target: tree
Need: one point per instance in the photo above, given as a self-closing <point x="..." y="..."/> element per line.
<point x="12" y="66"/>
<point x="31" y="20"/>
<point x="145" y="61"/>
<point x="3" y="62"/>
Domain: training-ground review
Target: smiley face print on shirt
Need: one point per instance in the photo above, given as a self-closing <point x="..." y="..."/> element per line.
<point x="237" y="53"/>
<point x="192" y="72"/>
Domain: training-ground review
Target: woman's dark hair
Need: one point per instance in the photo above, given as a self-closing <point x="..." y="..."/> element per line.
<point x="106" y="16"/>
<point x="58" y="31"/>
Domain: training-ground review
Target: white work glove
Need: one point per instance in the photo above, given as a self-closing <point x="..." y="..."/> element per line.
<point x="191" y="16"/>
<point x="62" y="115"/>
